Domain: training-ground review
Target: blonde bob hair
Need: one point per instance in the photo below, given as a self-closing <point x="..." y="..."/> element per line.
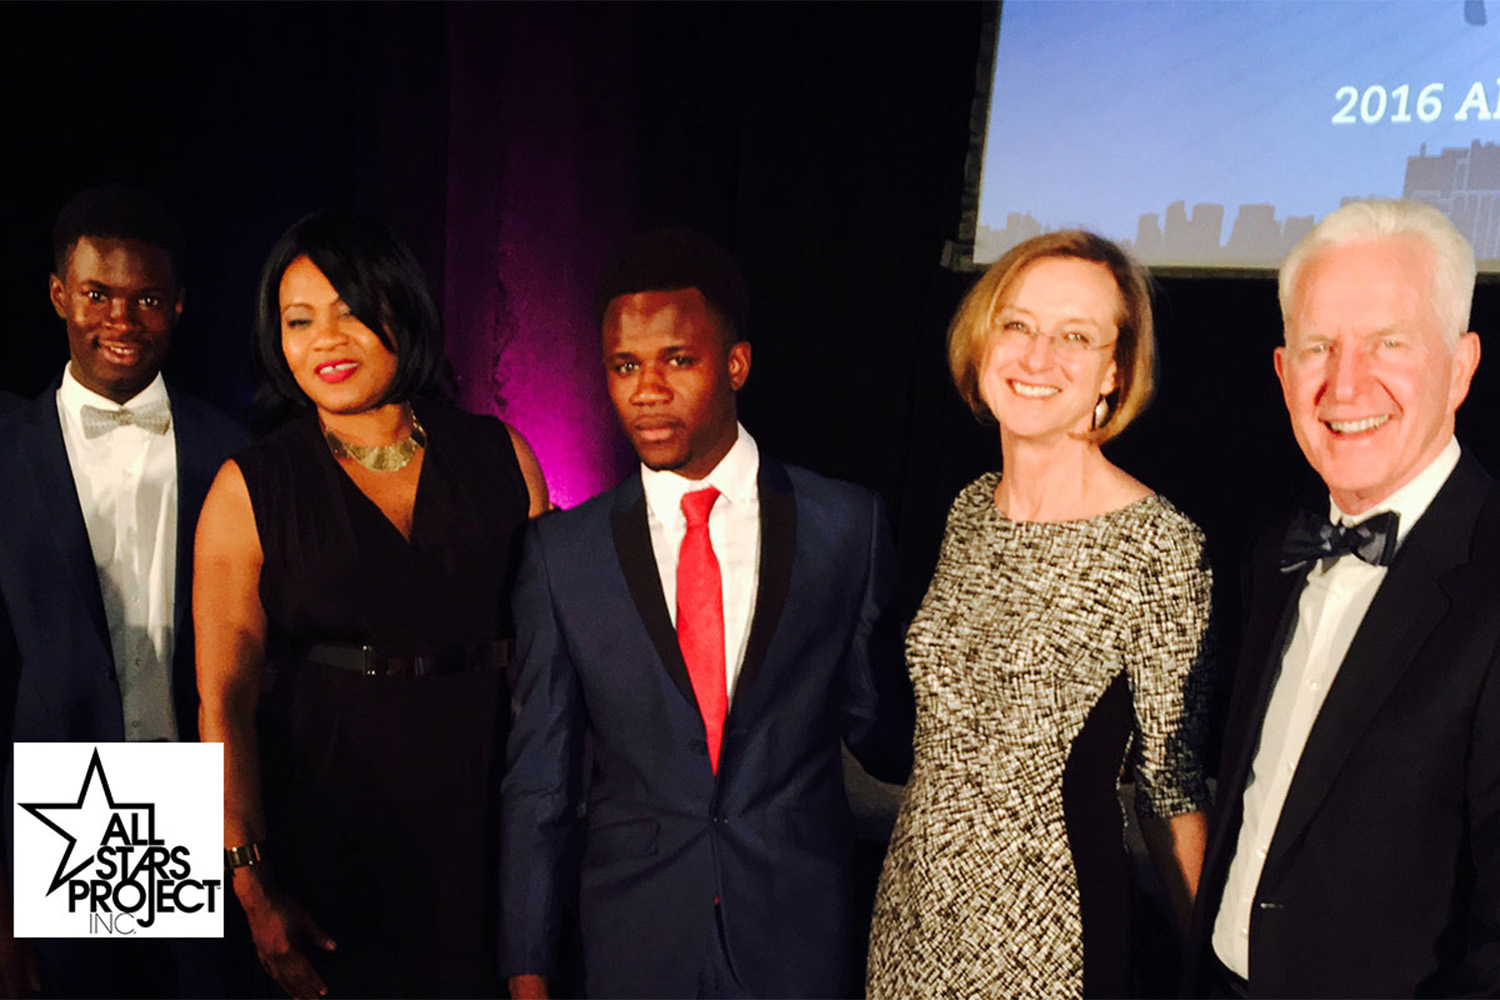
<point x="1135" y="348"/>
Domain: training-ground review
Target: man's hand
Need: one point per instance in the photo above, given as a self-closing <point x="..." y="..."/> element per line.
<point x="528" y="987"/>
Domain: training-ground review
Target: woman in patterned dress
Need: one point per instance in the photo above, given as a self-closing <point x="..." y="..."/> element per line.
<point x="1063" y="636"/>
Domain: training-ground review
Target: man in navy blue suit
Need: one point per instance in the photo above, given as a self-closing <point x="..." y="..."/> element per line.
<point x="709" y="630"/>
<point x="105" y="474"/>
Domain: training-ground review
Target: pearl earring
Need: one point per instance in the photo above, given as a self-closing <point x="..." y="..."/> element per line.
<point x="1101" y="412"/>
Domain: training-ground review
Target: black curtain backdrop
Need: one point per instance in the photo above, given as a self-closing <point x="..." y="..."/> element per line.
<point x="516" y="145"/>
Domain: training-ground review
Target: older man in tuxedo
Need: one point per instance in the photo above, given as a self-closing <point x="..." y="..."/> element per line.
<point x="106" y="472"/>
<point x="713" y="626"/>
<point x="1357" y="851"/>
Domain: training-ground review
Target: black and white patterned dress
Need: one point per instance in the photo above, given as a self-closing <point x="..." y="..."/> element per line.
<point x="1041" y="651"/>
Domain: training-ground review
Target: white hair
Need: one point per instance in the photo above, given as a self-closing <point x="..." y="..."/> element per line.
<point x="1453" y="267"/>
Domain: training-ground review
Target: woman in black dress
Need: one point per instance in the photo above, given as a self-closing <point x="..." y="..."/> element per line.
<point x="350" y="597"/>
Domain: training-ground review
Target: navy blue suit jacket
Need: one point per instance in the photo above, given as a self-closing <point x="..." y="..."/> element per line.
<point x="662" y="835"/>
<point x="57" y="672"/>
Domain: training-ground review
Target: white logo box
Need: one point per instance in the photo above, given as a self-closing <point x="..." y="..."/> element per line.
<point x="119" y="840"/>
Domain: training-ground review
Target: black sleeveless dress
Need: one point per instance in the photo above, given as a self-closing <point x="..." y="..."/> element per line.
<point x="381" y="792"/>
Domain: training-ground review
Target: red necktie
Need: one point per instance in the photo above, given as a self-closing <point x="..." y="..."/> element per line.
<point x="700" y="618"/>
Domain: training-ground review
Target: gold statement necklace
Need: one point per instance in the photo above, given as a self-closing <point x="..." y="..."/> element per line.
<point x="383" y="457"/>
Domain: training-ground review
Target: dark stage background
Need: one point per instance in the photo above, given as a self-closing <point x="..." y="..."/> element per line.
<point x="517" y="145"/>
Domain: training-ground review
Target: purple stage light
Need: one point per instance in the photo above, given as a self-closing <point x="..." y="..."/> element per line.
<point x="539" y="194"/>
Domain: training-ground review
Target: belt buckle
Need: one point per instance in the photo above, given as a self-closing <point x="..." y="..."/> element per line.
<point x="372" y="665"/>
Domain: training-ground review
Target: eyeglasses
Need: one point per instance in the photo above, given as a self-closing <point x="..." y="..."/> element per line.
<point x="1018" y="335"/>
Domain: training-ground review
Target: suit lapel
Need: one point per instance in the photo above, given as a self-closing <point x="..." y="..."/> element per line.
<point x="638" y="562"/>
<point x="1272" y="618"/>
<point x="1407" y="608"/>
<point x="778" y="541"/>
<point x="778" y="538"/>
<point x="40" y="443"/>
<point x="194" y="475"/>
<point x="197" y="463"/>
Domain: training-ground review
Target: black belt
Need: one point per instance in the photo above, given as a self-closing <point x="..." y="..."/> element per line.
<point x="373" y="661"/>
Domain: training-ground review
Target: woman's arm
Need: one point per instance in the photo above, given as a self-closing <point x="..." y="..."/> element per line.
<point x="1176" y="847"/>
<point x="1172" y="684"/>
<point x="230" y="627"/>
<point x="531" y="469"/>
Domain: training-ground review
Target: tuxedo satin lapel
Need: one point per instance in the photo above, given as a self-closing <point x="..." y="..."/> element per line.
<point x="1408" y="607"/>
<point x="194" y="475"/>
<point x="638" y="563"/>
<point x="778" y="542"/>
<point x="41" y="446"/>
<point x="1272" y="619"/>
<point x="1269" y="622"/>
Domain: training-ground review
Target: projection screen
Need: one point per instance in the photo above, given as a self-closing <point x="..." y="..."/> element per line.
<point x="1212" y="135"/>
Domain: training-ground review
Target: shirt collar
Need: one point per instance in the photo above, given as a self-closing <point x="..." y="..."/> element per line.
<point x="1411" y="501"/>
<point x="74" y="396"/>
<point x="735" y="477"/>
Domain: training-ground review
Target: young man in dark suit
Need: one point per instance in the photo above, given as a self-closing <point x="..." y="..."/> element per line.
<point x="1357" y="848"/>
<point x="712" y="627"/>
<point x="108" y="469"/>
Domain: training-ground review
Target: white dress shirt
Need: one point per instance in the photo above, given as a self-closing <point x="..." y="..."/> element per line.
<point x="1330" y="609"/>
<point x="126" y="480"/>
<point x="733" y="529"/>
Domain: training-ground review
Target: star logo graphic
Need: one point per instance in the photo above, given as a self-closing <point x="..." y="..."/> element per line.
<point x="90" y="819"/>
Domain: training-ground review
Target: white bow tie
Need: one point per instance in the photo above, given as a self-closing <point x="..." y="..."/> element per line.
<point x="154" y="417"/>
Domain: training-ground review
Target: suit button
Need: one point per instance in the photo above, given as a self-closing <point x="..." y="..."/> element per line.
<point x="699" y="747"/>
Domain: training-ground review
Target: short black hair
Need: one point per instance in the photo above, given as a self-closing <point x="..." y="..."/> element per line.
<point x="379" y="279"/>
<point x="666" y="260"/>
<point x="115" y="211"/>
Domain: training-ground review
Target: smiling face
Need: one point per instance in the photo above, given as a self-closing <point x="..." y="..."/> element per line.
<point x="119" y="300"/>
<point x="1034" y="389"/>
<point x="672" y="378"/>
<point x="337" y="361"/>
<point x="1370" y="382"/>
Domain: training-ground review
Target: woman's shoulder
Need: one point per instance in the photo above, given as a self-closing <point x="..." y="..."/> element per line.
<point x="1173" y="543"/>
<point x="441" y="417"/>
<point x="1170" y="524"/>
<point x="282" y="443"/>
<point x="479" y="439"/>
<point x="975" y="498"/>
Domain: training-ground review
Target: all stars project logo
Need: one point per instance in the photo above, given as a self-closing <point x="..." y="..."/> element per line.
<point x="119" y="840"/>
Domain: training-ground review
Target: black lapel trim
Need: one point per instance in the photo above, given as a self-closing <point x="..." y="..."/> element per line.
<point x="1260" y="663"/>
<point x="47" y="456"/>
<point x="198" y="459"/>
<point x="1407" y="608"/>
<point x="638" y="562"/>
<point x="194" y="477"/>
<point x="1268" y="629"/>
<point x="778" y="542"/>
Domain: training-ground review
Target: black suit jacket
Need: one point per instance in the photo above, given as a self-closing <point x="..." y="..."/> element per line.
<point x="1383" y="874"/>
<point x="769" y="835"/>
<point x="57" y="671"/>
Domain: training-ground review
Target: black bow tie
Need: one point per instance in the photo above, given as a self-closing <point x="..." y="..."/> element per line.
<point x="1312" y="537"/>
